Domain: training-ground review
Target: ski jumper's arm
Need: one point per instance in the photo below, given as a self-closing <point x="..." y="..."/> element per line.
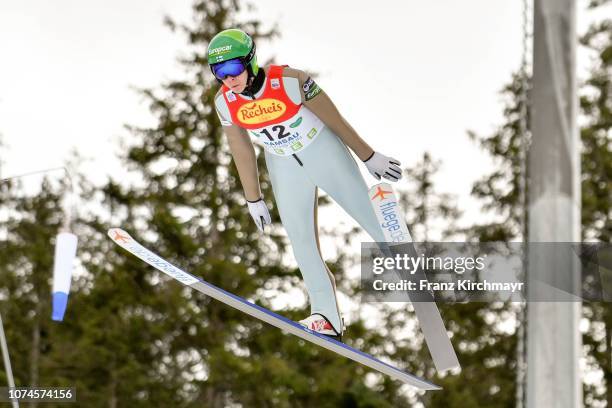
<point x="243" y="154"/>
<point x="244" y="157"/>
<point x="315" y="99"/>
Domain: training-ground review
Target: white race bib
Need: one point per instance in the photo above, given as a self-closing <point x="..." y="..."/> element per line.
<point x="291" y="136"/>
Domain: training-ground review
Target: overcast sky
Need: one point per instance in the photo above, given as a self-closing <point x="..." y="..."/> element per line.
<point x="410" y="76"/>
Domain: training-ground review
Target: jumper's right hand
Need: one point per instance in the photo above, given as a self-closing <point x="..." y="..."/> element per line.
<point x="260" y="213"/>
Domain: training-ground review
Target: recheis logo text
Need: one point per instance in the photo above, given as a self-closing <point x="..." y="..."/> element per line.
<point x="261" y="111"/>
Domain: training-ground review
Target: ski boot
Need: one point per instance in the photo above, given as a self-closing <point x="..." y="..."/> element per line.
<point x="319" y="324"/>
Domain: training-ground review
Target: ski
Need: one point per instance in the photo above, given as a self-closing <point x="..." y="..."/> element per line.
<point x="386" y="206"/>
<point x="124" y="240"/>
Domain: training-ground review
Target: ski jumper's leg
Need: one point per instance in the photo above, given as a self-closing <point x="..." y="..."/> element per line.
<point x="331" y="166"/>
<point x="296" y="200"/>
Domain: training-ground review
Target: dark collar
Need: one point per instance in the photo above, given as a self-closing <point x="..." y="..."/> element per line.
<point x="256" y="84"/>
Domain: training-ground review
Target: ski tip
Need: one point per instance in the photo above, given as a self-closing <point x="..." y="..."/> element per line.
<point x="382" y="185"/>
<point x="119" y="236"/>
<point x="382" y="192"/>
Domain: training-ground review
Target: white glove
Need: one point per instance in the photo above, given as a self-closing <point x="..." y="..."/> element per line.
<point x="260" y="213"/>
<point x="380" y="165"/>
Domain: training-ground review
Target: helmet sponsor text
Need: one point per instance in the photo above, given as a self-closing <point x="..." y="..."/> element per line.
<point x="220" y="50"/>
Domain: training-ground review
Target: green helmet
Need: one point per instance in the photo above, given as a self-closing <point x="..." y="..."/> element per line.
<point x="231" y="44"/>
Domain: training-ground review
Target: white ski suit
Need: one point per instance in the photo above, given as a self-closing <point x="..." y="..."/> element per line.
<point x="299" y="166"/>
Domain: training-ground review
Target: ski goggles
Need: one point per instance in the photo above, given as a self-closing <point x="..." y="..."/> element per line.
<point x="233" y="67"/>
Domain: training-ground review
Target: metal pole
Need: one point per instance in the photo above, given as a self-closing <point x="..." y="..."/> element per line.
<point x="7" y="361"/>
<point x="553" y="336"/>
<point x="523" y="131"/>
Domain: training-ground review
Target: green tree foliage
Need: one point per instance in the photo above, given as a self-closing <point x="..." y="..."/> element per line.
<point x="499" y="191"/>
<point x="596" y="107"/>
<point x="424" y="206"/>
<point x="596" y="136"/>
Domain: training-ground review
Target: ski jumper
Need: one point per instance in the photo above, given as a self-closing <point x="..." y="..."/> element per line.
<point x="302" y="154"/>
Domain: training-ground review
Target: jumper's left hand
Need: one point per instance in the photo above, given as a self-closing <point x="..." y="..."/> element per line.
<point x="380" y="165"/>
